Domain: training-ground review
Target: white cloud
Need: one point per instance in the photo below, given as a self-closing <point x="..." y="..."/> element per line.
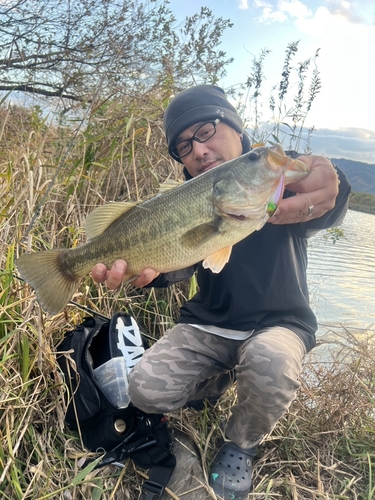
<point x="294" y="8"/>
<point x="324" y="22"/>
<point x="345" y="62"/>
<point x="243" y="4"/>
<point x="352" y="143"/>
<point x="345" y="65"/>
<point x="356" y="12"/>
<point x="269" y="16"/>
<point x="261" y="3"/>
<point x="284" y="9"/>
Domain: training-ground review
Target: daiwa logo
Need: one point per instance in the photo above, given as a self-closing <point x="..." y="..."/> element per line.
<point x="129" y="342"/>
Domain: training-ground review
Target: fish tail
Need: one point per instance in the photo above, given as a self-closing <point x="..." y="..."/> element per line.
<point x="44" y="271"/>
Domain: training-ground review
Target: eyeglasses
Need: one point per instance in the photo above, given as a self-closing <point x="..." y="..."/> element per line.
<point x="202" y="134"/>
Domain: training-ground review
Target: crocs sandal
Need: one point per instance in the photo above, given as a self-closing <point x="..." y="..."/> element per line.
<point x="231" y="471"/>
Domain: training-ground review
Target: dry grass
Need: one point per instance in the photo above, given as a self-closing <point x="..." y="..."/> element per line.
<point x="323" y="448"/>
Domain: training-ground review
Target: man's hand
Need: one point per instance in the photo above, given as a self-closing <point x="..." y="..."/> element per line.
<point x="115" y="276"/>
<point x="316" y="193"/>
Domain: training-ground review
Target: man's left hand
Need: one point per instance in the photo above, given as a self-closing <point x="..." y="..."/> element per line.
<point x="316" y="193"/>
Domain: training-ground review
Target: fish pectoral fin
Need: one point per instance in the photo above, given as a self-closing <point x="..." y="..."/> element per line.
<point x="102" y="217"/>
<point x="217" y="260"/>
<point x="201" y="234"/>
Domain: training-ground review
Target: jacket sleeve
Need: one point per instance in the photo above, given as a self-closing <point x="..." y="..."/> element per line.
<point x="168" y="279"/>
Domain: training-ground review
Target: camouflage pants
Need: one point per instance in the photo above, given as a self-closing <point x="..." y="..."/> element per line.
<point x="187" y="364"/>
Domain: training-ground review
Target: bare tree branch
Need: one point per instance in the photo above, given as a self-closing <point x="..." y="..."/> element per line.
<point x="64" y="48"/>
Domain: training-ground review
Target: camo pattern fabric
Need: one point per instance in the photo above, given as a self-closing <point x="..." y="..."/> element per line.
<point x="188" y="364"/>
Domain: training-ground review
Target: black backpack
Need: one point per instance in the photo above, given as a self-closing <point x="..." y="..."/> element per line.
<point x="117" y="432"/>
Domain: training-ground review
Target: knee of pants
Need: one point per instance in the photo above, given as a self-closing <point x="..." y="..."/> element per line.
<point x="146" y="396"/>
<point x="269" y="373"/>
<point x="271" y="390"/>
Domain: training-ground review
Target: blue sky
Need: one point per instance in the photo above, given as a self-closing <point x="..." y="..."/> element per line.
<point x="343" y="114"/>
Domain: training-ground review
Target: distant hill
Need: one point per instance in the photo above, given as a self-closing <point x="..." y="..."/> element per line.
<point x="361" y="175"/>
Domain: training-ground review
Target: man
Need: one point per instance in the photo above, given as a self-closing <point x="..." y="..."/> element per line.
<point x="252" y="321"/>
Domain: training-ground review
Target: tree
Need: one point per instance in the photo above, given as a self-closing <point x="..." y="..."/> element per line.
<point x="77" y="49"/>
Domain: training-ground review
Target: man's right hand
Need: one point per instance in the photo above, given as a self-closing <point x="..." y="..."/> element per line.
<point x="115" y="276"/>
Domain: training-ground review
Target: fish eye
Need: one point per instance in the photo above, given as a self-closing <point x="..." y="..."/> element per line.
<point x="254" y="156"/>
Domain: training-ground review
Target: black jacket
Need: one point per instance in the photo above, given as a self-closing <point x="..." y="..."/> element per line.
<point x="264" y="282"/>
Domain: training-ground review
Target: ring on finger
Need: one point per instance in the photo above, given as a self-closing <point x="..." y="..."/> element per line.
<point x="310" y="211"/>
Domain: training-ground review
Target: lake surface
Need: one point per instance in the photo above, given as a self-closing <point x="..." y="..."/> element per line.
<point x="341" y="276"/>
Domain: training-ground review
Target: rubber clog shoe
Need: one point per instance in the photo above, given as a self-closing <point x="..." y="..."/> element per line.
<point x="231" y="472"/>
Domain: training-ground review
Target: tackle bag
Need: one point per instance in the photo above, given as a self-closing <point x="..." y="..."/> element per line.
<point x="105" y="418"/>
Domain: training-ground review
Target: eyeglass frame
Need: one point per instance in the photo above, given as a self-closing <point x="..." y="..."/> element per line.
<point x="194" y="138"/>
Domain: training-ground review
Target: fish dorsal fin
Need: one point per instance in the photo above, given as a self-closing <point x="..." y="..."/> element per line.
<point x="102" y="217"/>
<point x="169" y="184"/>
<point x="217" y="260"/>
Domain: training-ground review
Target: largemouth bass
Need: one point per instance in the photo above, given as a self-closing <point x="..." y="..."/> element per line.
<point x="200" y="220"/>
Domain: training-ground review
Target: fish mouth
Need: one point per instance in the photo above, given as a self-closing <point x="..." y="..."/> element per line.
<point x="278" y="160"/>
<point x="242" y="214"/>
<point x="239" y="218"/>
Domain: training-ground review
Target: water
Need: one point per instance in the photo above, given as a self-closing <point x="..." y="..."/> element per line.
<point x="341" y="276"/>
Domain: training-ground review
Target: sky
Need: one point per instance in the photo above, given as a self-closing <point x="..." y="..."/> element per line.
<point x="343" y="113"/>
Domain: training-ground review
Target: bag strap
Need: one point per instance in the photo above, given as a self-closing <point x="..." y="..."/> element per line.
<point x="159" y="475"/>
<point x="153" y="488"/>
<point x="163" y="463"/>
<point x="152" y="452"/>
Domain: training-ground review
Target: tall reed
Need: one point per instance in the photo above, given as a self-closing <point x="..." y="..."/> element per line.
<point x="280" y="119"/>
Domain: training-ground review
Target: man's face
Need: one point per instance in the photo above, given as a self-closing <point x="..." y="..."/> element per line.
<point x="225" y="145"/>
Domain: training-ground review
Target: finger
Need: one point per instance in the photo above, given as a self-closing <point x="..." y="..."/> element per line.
<point x="322" y="173"/>
<point x="299" y="208"/>
<point x="145" y="278"/>
<point x="116" y="274"/>
<point x="99" y="273"/>
<point x="316" y="193"/>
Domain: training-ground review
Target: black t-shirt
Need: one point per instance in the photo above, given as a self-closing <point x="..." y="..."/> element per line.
<point x="264" y="283"/>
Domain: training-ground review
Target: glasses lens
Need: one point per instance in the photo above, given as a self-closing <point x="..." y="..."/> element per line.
<point x="182" y="148"/>
<point x="202" y="134"/>
<point x="205" y="132"/>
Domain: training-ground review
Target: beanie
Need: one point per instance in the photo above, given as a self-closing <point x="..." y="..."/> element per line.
<point x="198" y="104"/>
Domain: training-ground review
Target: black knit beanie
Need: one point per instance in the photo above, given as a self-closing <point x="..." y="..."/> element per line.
<point x="197" y="104"/>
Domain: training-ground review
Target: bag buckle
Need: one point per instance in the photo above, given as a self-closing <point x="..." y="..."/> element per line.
<point x="152" y="490"/>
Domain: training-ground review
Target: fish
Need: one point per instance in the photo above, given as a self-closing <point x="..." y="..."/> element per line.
<point x="197" y="221"/>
